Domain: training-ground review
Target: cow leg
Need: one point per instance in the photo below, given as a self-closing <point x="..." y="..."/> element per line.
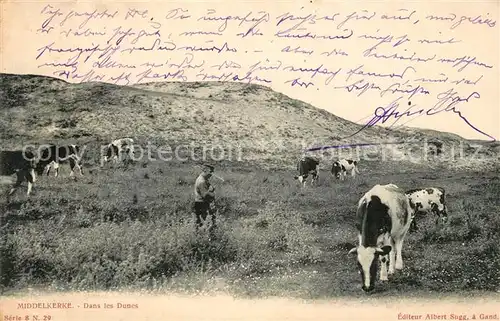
<point x="314" y="179"/>
<point x="56" y="169"/>
<point x="19" y="180"/>
<point x="73" y="163"/>
<point x="46" y="170"/>
<point x="413" y="224"/>
<point x="32" y="174"/>
<point x="444" y="213"/>
<point x="399" y="255"/>
<point x="392" y="257"/>
<point x="353" y="173"/>
<point x="303" y="180"/>
<point x="30" y="177"/>
<point x="80" y="169"/>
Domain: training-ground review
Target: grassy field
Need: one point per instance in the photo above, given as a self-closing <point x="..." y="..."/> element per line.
<point x="130" y="227"/>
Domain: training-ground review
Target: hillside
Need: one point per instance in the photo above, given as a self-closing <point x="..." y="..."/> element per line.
<point x="264" y="124"/>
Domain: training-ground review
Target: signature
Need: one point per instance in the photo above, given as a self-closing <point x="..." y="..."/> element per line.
<point x="448" y="101"/>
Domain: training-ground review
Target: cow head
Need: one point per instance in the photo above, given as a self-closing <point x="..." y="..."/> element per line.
<point x="30" y="158"/>
<point x="44" y="157"/>
<point x="442" y="214"/>
<point x="300" y="178"/>
<point x="336" y="168"/>
<point x="108" y="153"/>
<point x="368" y="259"/>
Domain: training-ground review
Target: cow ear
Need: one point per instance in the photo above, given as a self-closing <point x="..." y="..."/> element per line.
<point x="353" y="250"/>
<point x="384" y="250"/>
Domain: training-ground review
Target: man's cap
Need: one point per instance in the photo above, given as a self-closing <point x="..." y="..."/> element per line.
<point x="208" y="166"/>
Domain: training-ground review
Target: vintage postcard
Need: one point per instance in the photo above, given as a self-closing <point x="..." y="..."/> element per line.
<point x="249" y="160"/>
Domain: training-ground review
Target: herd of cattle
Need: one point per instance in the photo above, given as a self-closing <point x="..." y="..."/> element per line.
<point x="26" y="164"/>
<point x="384" y="214"/>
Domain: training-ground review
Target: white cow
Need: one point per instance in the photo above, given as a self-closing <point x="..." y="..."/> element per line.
<point x="428" y="200"/>
<point x="341" y="167"/>
<point x="384" y="216"/>
<point x="117" y="147"/>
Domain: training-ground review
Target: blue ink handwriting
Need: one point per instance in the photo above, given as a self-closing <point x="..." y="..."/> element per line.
<point x="133" y="12"/>
<point x="297" y="49"/>
<point x="464" y="62"/>
<point x="351" y="145"/>
<point x="227" y="65"/>
<point x="467" y="81"/>
<point x="53" y="13"/>
<point x="363" y="15"/>
<point x="477" y="20"/>
<point x="405" y="17"/>
<point x="210" y="16"/>
<point x="445" y="79"/>
<point x="149" y="74"/>
<point x="89" y="16"/>
<point x="335" y="52"/>
<point x="298" y="82"/>
<point x="447" y="101"/>
<point x="442" y="42"/>
<point x="320" y="69"/>
<point x="359" y="71"/>
<point x="177" y="13"/>
<point x="204" y="33"/>
<point x="286" y="34"/>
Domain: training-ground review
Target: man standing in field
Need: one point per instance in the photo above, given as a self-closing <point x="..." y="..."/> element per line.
<point x="204" y="193"/>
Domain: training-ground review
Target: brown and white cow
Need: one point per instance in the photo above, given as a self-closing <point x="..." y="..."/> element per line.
<point x="53" y="156"/>
<point x="307" y="165"/>
<point x="341" y="167"/>
<point x="21" y="163"/>
<point x="114" y="149"/>
<point x="383" y="218"/>
<point x="428" y="200"/>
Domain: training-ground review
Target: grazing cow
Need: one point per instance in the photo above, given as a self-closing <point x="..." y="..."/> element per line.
<point x="306" y="166"/>
<point x="428" y="200"/>
<point x="383" y="218"/>
<point x="21" y="163"/>
<point x="53" y="156"/>
<point x="341" y="167"/>
<point x="118" y="146"/>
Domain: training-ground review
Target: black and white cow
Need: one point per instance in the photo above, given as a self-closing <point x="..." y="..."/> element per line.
<point x="21" y="163"/>
<point x="341" y="167"/>
<point x="428" y="200"/>
<point x="114" y="149"/>
<point x="53" y="156"/>
<point x="383" y="218"/>
<point x="307" y="165"/>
